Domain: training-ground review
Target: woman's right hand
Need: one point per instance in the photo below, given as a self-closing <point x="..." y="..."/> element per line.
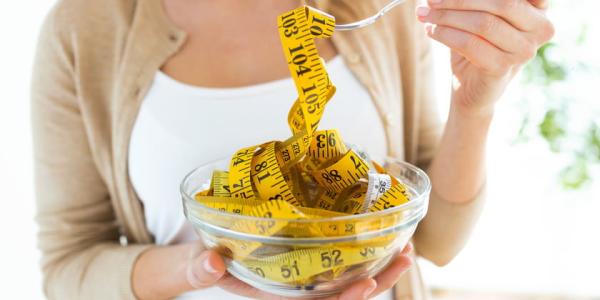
<point x="155" y="277"/>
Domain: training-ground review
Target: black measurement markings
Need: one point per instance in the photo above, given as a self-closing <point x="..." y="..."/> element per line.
<point x="353" y="176"/>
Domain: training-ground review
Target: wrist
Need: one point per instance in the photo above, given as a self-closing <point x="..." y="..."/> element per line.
<point x="471" y="113"/>
<point x="477" y="100"/>
<point x="468" y="123"/>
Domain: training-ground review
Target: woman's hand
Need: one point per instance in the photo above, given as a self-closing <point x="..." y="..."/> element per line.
<point x="490" y="41"/>
<point x="166" y="272"/>
<point x="207" y="269"/>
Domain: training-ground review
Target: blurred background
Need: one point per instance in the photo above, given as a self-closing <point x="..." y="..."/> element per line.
<point x="539" y="235"/>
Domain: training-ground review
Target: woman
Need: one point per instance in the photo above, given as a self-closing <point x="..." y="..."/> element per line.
<point x="130" y="95"/>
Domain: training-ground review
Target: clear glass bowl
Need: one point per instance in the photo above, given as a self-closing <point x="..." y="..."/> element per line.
<point x="284" y="263"/>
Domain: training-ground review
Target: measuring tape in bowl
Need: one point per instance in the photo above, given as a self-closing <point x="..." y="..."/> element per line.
<point x="310" y="176"/>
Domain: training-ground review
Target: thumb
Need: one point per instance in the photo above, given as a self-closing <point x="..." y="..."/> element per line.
<point x="205" y="269"/>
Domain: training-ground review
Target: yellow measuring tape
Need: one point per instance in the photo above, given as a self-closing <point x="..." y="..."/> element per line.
<point x="313" y="175"/>
<point x="300" y="265"/>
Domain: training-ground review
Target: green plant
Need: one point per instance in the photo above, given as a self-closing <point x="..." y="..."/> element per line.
<point x="551" y="79"/>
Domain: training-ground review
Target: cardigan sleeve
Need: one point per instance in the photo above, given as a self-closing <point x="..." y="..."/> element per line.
<point x="447" y="226"/>
<point x="78" y="234"/>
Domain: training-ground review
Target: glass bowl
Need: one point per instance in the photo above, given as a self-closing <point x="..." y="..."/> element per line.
<point x="311" y="257"/>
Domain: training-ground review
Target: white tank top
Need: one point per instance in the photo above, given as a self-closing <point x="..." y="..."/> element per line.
<point x="180" y="127"/>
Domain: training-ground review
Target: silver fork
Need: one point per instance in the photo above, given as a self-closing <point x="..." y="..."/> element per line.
<point x="370" y="20"/>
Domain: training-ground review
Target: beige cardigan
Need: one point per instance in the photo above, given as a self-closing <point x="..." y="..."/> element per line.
<point x="96" y="60"/>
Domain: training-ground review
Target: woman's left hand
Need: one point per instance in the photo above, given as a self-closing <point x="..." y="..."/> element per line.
<point x="490" y="41"/>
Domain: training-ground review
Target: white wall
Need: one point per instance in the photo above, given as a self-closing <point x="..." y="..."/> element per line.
<point x="19" y="24"/>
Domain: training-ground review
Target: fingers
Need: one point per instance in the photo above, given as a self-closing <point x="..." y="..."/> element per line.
<point x="357" y="291"/>
<point x="205" y="269"/>
<point x="495" y="35"/>
<point x="368" y="288"/>
<point x="519" y="13"/>
<point x="360" y="290"/>
<point x="407" y="249"/>
<point x="473" y="48"/>
<point x="541" y="4"/>
<point x="388" y="278"/>
<point x="363" y="289"/>
<point x="238" y="287"/>
<point x="490" y="27"/>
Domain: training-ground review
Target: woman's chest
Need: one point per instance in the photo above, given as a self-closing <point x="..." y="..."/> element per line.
<point x="224" y="48"/>
<point x="232" y="61"/>
<point x="180" y="127"/>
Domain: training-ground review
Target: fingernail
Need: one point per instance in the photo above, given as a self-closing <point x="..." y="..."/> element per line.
<point x="203" y="272"/>
<point x="429" y="28"/>
<point x="368" y="291"/>
<point x="435" y="1"/>
<point x="423" y="11"/>
<point x="408" y="248"/>
<point x="208" y="267"/>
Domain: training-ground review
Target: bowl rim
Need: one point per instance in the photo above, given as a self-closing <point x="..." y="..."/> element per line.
<point x="316" y="240"/>
<point x="418" y="201"/>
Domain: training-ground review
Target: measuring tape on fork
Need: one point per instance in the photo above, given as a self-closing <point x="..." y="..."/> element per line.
<point x="310" y="176"/>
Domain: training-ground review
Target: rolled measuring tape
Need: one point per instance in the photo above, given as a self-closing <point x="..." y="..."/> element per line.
<point x="310" y="176"/>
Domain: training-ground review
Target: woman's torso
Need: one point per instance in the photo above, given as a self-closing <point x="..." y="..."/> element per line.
<point x="180" y="127"/>
<point x="114" y="48"/>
